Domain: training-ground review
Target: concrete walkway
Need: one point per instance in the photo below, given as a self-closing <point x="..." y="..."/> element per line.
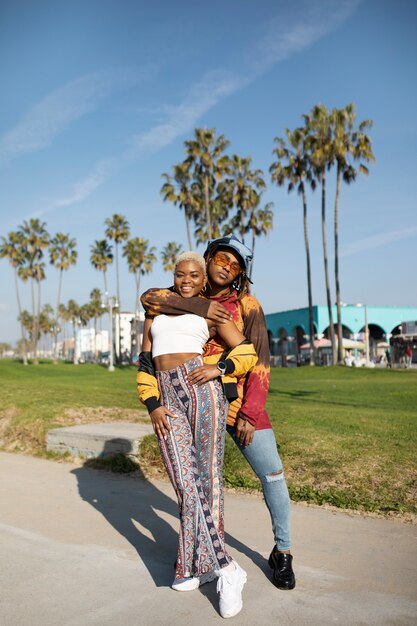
<point x="81" y="547"/>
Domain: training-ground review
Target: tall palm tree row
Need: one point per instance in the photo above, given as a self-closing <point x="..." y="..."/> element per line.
<point x="293" y="168"/>
<point x="24" y="249"/>
<point x="328" y="138"/>
<point x="218" y="194"/>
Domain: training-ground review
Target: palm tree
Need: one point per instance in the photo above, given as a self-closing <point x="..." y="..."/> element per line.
<point x="74" y="316"/>
<point x="26" y="320"/>
<point x="319" y="143"/>
<point x="117" y="230"/>
<point x="348" y="144"/>
<point x="11" y="249"/>
<point x="96" y="311"/>
<point x="177" y="189"/>
<point x="101" y="256"/>
<point x="4" y="347"/>
<point x="62" y="254"/>
<point x="35" y="239"/>
<point x="205" y="155"/>
<point x="140" y="259"/>
<point x="46" y="321"/>
<point x="65" y="317"/>
<point x="243" y="189"/>
<point x="169" y="255"/>
<point x="293" y="168"/>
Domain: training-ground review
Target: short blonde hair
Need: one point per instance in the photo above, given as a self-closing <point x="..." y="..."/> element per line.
<point x="192" y="256"/>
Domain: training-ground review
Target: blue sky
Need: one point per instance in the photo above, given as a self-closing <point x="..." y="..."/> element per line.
<point x="99" y="96"/>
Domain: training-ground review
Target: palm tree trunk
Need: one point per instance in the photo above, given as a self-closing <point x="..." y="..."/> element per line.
<point x="309" y="290"/>
<point x="57" y="316"/>
<point x="32" y="288"/>
<point x="106" y="293"/>
<point x="187" y="225"/>
<point x="138" y="343"/>
<point x="326" y="268"/>
<point x="95" y="339"/>
<point x="74" y="358"/>
<point x="336" y="269"/>
<point x="207" y="204"/>
<point x="19" y="306"/>
<point x="118" y="300"/>
<point x="242" y="223"/>
<point x="38" y="314"/>
<point x="253" y="252"/>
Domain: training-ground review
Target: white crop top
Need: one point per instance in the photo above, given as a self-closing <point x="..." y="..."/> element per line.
<point x="182" y="333"/>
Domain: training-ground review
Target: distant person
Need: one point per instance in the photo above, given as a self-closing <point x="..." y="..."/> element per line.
<point x="388" y="357"/>
<point x="188" y="410"/>
<point x="228" y="267"/>
<point x="348" y="359"/>
<point x="408" y="355"/>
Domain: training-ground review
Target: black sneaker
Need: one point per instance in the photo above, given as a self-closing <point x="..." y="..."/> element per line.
<point x="283" y="573"/>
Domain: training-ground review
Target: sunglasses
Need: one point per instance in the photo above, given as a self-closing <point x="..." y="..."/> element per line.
<point x="221" y="259"/>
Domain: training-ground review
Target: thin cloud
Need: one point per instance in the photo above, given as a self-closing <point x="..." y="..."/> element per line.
<point x="84" y="188"/>
<point x="59" y="109"/>
<point x="178" y="120"/>
<point x="202" y="97"/>
<point x="284" y="37"/>
<point x="376" y="241"/>
<point x="279" y="41"/>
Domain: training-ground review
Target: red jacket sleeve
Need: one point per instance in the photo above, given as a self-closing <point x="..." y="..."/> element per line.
<point x="257" y="381"/>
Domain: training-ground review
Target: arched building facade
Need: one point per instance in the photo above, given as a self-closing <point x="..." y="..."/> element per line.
<point x="288" y="330"/>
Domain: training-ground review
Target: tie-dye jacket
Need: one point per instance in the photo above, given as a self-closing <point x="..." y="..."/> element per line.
<point x="249" y="318"/>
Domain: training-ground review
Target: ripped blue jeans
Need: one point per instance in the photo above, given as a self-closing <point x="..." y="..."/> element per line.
<point x="262" y="455"/>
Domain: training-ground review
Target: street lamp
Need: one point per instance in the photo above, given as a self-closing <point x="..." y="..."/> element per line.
<point x="111" y="303"/>
<point x="77" y="321"/>
<point x="366" y="332"/>
<point x="364" y="306"/>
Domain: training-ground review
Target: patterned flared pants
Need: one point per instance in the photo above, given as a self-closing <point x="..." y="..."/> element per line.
<point x="193" y="457"/>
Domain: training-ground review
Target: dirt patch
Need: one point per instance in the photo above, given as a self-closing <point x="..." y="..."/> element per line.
<point x="88" y="415"/>
<point x="23" y="437"/>
<point x="6" y="417"/>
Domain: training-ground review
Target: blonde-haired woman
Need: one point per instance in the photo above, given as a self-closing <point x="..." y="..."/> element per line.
<point x="188" y="411"/>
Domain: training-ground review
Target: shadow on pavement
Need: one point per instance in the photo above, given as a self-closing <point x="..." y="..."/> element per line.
<point x="131" y="506"/>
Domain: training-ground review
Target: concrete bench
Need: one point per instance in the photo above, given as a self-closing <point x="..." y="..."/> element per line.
<point x="101" y="440"/>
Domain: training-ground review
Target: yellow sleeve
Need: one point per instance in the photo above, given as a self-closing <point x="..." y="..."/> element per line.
<point x="147" y="386"/>
<point x="244" y="358"/>
<point x="146" y="383"/>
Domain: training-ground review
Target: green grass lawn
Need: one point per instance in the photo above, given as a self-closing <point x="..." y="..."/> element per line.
<point x="347" y="437"/>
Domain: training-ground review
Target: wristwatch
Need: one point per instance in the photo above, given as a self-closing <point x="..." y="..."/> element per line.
<point x="221" y="366"/>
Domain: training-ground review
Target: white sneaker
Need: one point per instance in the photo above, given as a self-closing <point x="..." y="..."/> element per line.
<point x="230" y="586"/>
<point x="186" y="584"/>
